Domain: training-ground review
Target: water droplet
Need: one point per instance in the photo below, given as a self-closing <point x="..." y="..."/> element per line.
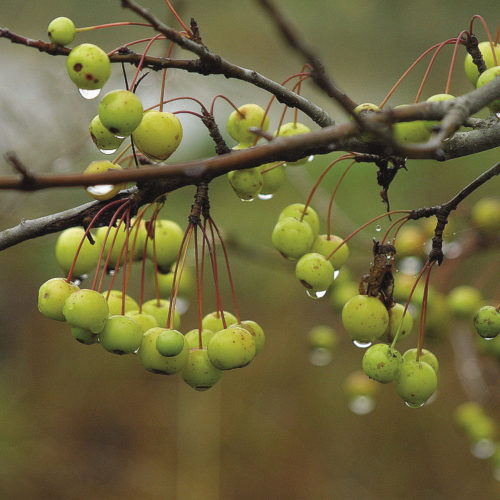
<point x="489" y="338"/>
<point x="361" y="345"/>
<point x="246" y="200"/>
<point x="89" y="94"/>
<point x="100" y="189"/>
<point x="316" y="294"/>
<point x="120" y="136"/>
<point x="181" y="305"/>
<point x="414" y="405"/>
<point x="484" y="448"/>
<point x="361" y="405"/>
<point x="336" y="274"/>
<point x="110" y="271"/>
<point x="310" y="159"/>
<point x="378" y="228"/>
<point x="265" y="196"/>
<point x="108" y="151"/>
<point x="410" y="265"/>
<point x="496" y="473"/>
<point x="452" y="249"/>
<point x="80" y="279"/>
<point x="320" y="356"/>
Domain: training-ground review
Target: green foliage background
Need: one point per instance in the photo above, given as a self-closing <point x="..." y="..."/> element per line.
<point x="77" y="422"/>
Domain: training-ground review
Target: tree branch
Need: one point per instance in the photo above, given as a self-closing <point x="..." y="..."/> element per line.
<point x="318" y="74"/>
<point x="211" y="64"/>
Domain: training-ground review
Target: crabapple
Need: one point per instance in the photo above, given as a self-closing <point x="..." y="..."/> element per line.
<point x="289" y="129"/>
<point x="213" y="321"/>
<point x="61" y="30"/>
<point x="292" y="237"/>
<point x="487" y="322"/>
<point x="314" y="272"/>
<point x="426" y="356"/>
<point x="105" y="141"/>
<point x="158" y="134"/>
<point x="86" y="309"/>
<point x="233" y="347"/>
<point x="66" y="246"/>
<point x="159" y="310"/>
<point x="415" y="382"/>
<point x="248" y="115"/>
<point x="170" y="342"/>
<point x="326" y="244"/>
<point x="486" y="77"/>
<point x="153" y="361"/>
<point x="381" y="363"/>
<point x="167" y="241"/>
<point x="120" y="111"/>
<point x="88" y="66"/>
<point x="52" y="295"/>
<point x="365" y="318"/>
<point x="103" y="191"/>
<point x="121" y="335"/>
<point x="296" y="210"/>
<point x="199" y="372"/>
<point x="487" y="50"/>
<point x="246" y="183"/>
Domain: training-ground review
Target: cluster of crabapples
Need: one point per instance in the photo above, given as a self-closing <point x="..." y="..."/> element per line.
<point x="151" y="329"/>
<point x="156" y="134"/>
<point x="265" y="180"/>
<point x="366" y="319"/>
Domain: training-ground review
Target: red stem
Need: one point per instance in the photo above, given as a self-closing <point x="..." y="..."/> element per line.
<point x="87" y="231"/>
<point x="405" y="74"/>
<point x="181" y="22"/>
<point x="199" y="292"/>
<point x="141" y="62"/>
<point x="423" y="314"/>
<point x="129" y="44"/>
<point x="403" y="220"/>
<point x="429" y="66"/>
<point x="386" y="214"/>
<point x="453" y="60"/>
<point x="226" y="258"/>
<point x="176" y="282"/>
<point x="330" y="205"/>
<point x="320" y="178"/>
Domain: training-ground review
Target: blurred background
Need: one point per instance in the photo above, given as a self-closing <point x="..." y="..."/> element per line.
<point x="77" y="422"/>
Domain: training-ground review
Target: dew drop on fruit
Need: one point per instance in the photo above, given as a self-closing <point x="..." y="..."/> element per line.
<point x="316" y="294"/>
<point x="310" y="159"/>
<point x="361" y="405"/>
<point x="336" y="274"/>
<point x="100" y="189"/>
<point x="246" y="200"/>
<point x="108" y="151"/>
<point x="414" y="405"/>
<point x="89" y="94"/>
<point x="265" y="196"/>
<point x="110" y="271"/>
<point x="320" y="356"/>
<point x="378" y="228"/>
<point x="361" y="345"/>
<point x="484" y="448"/>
